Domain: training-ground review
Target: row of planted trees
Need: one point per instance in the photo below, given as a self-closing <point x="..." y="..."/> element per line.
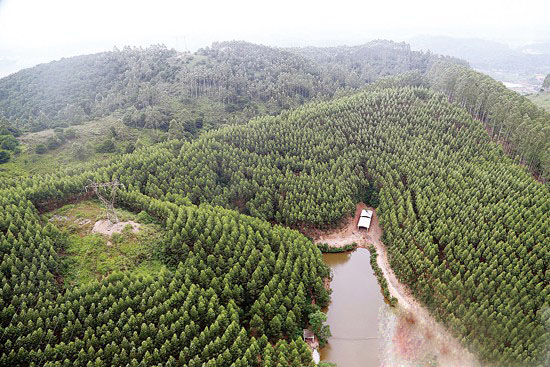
<point x="237" y="293"/>
<point x="464" y="226"/>
<point x="511" y="119"/>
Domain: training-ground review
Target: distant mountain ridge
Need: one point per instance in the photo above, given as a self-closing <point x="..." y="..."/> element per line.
<point x="373" y="60"/>
<point x="484" y="54"/>
<point x="161" y="88"/>
<point x="540" y="48"/>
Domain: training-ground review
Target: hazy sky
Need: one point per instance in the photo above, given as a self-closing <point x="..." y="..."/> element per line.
<point x="34" y="31"/>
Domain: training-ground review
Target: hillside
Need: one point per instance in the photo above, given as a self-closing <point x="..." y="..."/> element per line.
<point x="217" y="272"/>
<point x="181" y="95"/>
<point x="161" y="88"/>
<point x="98" y="106"/>
<point x="359" y="65"/>
<point x="511" y="119"/>
<point x="476" y="263"/>
<point x="100" y="140"/>
<point x="541" y="99"/>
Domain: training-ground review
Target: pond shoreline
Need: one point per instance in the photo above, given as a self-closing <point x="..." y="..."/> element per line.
<point x="415" y="326"/>
<point x="353" y="314"/>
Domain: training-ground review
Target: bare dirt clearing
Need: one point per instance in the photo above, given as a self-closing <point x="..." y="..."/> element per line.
<point x="417" y="336"/>
<point x="346" y="233"/>
<point x="105" y="227"/>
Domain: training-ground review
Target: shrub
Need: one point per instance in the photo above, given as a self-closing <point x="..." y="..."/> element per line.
<point x="116" y="238"/>
<point x="381" y="279"/>
<point x="4" y="156"/>
<point x="53" y="142"/>
<point x="8" y="142"/>
<point x="145" y="218"/>
<point x="40" y="149"/>
<point x="80" y="152"/>
<point x="322" y="331"/>
<point x="107" y="146"/>
<point x="128" y="228"/>
<point x="325" y="248"/>
<point x="70" y="133"/>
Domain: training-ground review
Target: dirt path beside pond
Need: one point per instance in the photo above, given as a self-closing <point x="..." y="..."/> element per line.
<point x="417" y="337"/>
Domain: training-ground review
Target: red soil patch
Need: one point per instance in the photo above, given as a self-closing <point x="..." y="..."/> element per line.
<point x="406" y="344"/>
<point x="410" y="319"/>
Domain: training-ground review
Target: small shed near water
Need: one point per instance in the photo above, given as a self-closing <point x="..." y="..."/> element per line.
<point x="308" y="335"/>
<point x="365" y="219"/>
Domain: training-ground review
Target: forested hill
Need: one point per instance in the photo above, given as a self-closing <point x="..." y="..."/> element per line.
<point x="79" y="88"/>
<point x="362" y="64"/>
<point x="522" y="128"/>
<point x="465" y="228"/>
<point x="160" y="88"/>
<point x="231" y="82"/>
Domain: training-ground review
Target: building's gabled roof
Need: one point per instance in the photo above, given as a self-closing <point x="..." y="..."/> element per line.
<point x="364" y="222"/>
<point x="308" y="333"/>
<point x="366" y="213"/>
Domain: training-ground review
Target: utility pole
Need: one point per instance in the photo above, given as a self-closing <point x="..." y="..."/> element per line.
<point x="109" y="202"/>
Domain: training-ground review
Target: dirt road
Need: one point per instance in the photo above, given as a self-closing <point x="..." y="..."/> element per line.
<point x="417" y="336"/>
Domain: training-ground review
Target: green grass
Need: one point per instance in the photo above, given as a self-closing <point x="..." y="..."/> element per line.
<point x="89" y="134"/>
<point x="541" y="100"/>
<point x="90" y="256"/>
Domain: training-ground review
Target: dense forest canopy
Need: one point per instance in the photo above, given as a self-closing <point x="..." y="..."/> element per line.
<point x="511" y="119"/>
<point x="231" y="82"/>
<point x="158" y="87"/>
<point x="229" y="272"/>
<point x="450" y="152"/>
<point x="358" y="65"/>
<point x="464" y="226"/>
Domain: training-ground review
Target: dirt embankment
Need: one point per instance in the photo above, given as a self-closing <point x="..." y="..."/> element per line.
<point x="347" y="232"/>
<point x="417" y="335"/>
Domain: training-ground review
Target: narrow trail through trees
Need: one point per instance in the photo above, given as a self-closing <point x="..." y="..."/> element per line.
<point x="417" y="333"/>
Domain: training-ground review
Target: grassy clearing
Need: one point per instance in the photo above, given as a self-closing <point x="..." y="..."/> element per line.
<point x="88" y="136"/>
<point x="90" y="256"/>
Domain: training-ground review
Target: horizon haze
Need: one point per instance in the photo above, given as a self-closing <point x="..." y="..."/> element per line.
<point x="34" y="32"/>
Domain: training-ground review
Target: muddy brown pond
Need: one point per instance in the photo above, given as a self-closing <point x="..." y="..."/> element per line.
<point x="353" y="311"/>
